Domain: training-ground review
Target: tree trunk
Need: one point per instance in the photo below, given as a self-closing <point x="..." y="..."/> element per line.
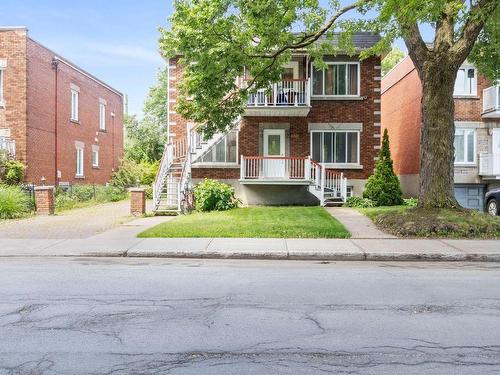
<point x="437" y="136"/>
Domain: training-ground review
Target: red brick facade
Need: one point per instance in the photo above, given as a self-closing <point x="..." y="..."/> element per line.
<point x="401" y="113"/>
<point x="39" y="117"/>
<point x="365" y="111"/>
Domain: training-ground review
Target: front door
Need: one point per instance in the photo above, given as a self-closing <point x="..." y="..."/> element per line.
<point x="274" y="152"/>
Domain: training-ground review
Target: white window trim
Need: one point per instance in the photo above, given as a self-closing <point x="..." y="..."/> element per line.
<point x="95" y="151"/>
<point x="102" y="116"/>
<point x="75" y="103"/>
<point x="80" y="163"/>
<point x="338" y="165"/>
<point x="2" y="78"/>
<point x="336" y="96"/>
<point x="472" y="94"/>
<point x="467" y="163"/>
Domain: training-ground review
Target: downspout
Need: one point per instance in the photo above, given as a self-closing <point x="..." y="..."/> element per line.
<point x="55" y="66"/>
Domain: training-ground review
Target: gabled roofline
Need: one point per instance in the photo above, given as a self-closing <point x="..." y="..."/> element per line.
<point x="75" y="67"/>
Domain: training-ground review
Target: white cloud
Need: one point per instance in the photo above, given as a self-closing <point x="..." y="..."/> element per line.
<point x="124" y="52"/>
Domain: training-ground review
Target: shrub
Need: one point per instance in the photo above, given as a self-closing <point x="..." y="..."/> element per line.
<point x="13" y="171"/>
<point x="383" y="186"/>
<point x="212" y="195"/>
<point x="83" y="193"/>
<point x="411" y="202"/>
<point x="13" y="202"/>
<point x="149" y="171"/>
<point x="65" y="201"/>
<point x="359" y="202"/>
<point x="110" y="194"/>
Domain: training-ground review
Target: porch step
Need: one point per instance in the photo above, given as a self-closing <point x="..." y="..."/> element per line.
<point x="333" y="202"/>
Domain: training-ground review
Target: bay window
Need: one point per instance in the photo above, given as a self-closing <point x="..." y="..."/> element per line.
<point x="465" y="146"/>
<point x="337" y="79"/>
<point x="336" y="147"/>
<point x="224" y="151"/>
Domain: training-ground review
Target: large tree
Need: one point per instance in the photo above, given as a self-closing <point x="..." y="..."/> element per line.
<point x="219" y="39"/>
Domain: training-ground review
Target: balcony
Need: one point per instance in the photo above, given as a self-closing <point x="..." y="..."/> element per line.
<point x="275" y="170"/>
<point x="9" y="146"/>
<point x="491" y="102"/>
<point x="489" y="165"/>
<point x="286" y="98"/>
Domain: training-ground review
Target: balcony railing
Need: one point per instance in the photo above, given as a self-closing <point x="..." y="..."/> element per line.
<point x="491" y="100"/>
<point x="489" y="164"/>
<point x="274" y="168"/>
<point x="286" y="93"/>
<point x="9" y="145"/>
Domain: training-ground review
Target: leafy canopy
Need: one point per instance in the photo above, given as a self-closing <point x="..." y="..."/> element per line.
<point x="391" y="60"/>
<point x="220" y="40"/>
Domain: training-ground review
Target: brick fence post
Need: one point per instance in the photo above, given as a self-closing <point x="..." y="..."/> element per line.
<point x="44" y="199"/>
<point x="137" y="201"/>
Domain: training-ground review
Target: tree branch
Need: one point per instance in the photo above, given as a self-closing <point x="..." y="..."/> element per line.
<point x="308" y="39"/>
<point x="417" y="49"/>
<point x="473" y="26"/>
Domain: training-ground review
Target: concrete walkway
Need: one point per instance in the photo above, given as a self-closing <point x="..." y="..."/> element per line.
<point x="358" y="224"/>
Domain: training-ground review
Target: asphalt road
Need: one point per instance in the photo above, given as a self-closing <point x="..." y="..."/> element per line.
<point x="149" y="316"/>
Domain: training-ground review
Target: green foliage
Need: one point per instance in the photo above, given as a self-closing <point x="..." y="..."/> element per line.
<point x="78" y="194"/>
<point x="129" y="174"/>
<point x="155" y="106"/>
<point x="11" y="171"/>
<point x="391" y="60"/>
<point x="383" y="186"/>
<point x="410" y="202"/>
<point x="487" y="48"/>
<point x="359" y="202"/>
<point x="212" y="195"/>
<point x="14" y="202"/>
<point x="144" y="140"/>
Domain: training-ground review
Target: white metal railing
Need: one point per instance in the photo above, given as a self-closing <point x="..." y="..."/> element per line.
<point x="292" y="93"/>
<point x="9" y="145"/>
<point x="491" y="98"/>
<point x="326" y="181"/>
<point x="489" y="164"/>
<point x="270" y="167"/>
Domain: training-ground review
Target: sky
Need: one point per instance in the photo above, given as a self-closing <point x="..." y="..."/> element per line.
<point x="115" y="40"/>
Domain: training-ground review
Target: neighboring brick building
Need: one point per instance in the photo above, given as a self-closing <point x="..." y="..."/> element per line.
<point x="62" y="122"/>
<point x="313" y="124"/>
<point x="477" y="136"/>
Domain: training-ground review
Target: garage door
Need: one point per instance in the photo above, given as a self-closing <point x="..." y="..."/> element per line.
<point x="470" y="196"/>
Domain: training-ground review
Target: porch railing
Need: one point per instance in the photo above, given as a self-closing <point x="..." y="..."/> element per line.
<point x="270" y="167"/>
<point x="293" y="92"/>
<point x="9" y="145"/>
<point x="489" y="164"/>
<point x="491" y="98"/>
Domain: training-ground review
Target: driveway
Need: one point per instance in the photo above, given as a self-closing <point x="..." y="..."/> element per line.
<point x="77" y="223"/>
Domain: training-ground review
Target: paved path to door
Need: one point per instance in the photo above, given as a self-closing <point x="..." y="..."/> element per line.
<point x="77" y="223"/>
<point x="358" y="224"/>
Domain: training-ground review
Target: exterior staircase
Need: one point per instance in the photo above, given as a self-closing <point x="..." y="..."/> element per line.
<point x="173" y="181"/>
<point x="329" y="187"/>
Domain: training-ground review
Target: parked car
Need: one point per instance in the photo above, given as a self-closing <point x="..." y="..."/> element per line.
<point x="492" y="199"/>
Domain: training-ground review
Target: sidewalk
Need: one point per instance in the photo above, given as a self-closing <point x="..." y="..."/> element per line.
<point x="122" y="244"/>
<point x="358" y="224"/>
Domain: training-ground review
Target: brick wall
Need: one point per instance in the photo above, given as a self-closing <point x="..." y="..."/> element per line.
<point x="13" y="117"/>
<point x="322" y="111"/>
<point x="41" y="128"/>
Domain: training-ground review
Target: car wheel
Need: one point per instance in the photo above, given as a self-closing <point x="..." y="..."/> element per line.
<point x="493" y="207"/>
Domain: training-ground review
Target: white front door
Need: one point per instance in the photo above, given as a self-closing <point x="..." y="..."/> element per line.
<point x="274" y="148"/>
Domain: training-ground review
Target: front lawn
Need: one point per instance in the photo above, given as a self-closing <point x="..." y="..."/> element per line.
<point x="440" y="223"/>
<point x="256" y="222"/>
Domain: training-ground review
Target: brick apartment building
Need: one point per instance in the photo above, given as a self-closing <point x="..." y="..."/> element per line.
<point x="312" y="137"/>
<point x="477" y="134"/>
<point x="63" y="123"/>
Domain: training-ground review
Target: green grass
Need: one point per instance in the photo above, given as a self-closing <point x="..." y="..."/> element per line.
<point x="403" y="221"/>
<point x="254" y="222"/>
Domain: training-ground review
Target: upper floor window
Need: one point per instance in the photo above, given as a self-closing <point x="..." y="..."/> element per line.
<point x="465" y="146"/>
<point x="102" y="116"/>
<point x="340" y="147"/>
<point x="95" y="156"/>
<point x="74" y="104"/>
<point x="466" y="82"/>
<point x="225" y="151"/>
<point x="337" y="79"/>
<point x="3" y="65"/>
